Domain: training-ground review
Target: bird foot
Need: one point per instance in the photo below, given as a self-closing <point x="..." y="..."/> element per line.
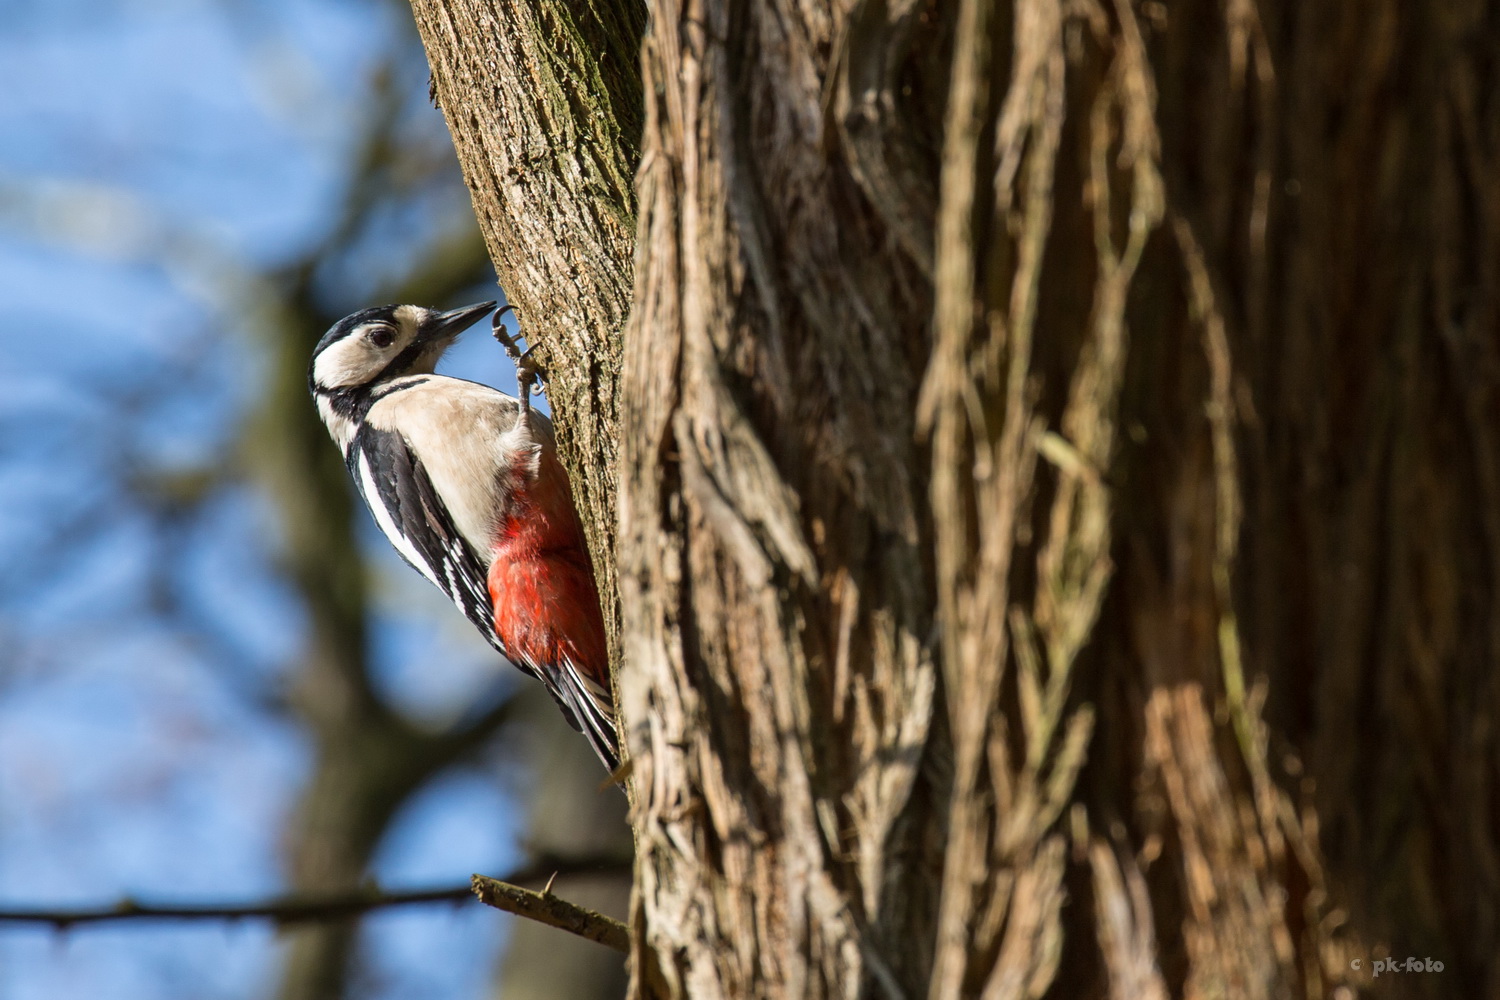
<point x="528" y="372"/>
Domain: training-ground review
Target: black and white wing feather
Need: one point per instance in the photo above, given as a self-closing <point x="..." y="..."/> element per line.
<point x="400" y="495"/>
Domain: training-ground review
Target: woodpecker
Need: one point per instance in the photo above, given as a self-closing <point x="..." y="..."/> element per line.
<point x="465" y="483"/>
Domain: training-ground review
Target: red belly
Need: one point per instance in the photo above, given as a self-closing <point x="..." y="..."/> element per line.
<point x="547" y="609"/>
<point x="541" y="579"/>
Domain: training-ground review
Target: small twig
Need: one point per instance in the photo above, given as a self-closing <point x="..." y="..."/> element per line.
<point x="553" y="912"/>
<point x="291" y="909"/>
<point x="283" y="910"/>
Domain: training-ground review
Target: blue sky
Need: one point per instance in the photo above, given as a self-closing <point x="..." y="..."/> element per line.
<point x="154" y="154"/>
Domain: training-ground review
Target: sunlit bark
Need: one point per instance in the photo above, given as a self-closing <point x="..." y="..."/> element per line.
<point x="1057" y="531"/>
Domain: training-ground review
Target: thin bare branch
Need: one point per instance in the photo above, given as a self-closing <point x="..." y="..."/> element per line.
<point x="548" y="909"/>
<point x="302" y="908"/>
<point x="282" y="910"/>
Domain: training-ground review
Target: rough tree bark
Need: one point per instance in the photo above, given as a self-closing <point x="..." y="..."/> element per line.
<point x="543" y="100"/>
<point x="1059" y="501"/>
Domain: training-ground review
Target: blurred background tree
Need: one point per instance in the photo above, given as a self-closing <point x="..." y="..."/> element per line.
<point x="218" y="681"/>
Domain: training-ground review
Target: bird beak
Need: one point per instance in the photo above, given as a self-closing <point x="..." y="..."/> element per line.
<point x="443" y="327"/>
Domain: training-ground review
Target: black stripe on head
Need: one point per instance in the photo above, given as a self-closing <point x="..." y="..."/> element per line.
<point x="426" y="335"/>
<point x="403" y="361"/>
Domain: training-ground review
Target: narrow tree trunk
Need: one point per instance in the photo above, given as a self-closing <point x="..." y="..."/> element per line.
<point x="543" y="99"/>
<point x="1057" y="529"/>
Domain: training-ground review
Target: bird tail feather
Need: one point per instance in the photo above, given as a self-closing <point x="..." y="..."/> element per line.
<point x="588" y="708"/>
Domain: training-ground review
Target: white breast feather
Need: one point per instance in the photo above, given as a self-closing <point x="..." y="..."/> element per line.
<point x="462" y="433"/>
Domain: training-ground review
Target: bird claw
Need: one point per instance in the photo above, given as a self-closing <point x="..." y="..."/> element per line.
<point x="527" y="370"/>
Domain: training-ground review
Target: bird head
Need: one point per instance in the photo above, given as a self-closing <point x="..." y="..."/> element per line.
<point x="375" y="345"/>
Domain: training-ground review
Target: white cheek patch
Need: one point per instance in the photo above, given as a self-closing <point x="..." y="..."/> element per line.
<point x="354" y="360"/>
<point x="349" y="362"/>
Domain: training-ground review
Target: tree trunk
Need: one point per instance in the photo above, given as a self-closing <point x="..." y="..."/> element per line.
<point x="1059" y="504"/>
<point x="774" y="529"/>
<point x="543" y="100"/>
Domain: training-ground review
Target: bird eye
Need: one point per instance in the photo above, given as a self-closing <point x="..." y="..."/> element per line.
<point x="382" y="336"/>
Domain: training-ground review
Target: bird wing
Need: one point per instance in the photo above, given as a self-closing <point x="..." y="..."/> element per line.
<point x="400" y="495"/>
